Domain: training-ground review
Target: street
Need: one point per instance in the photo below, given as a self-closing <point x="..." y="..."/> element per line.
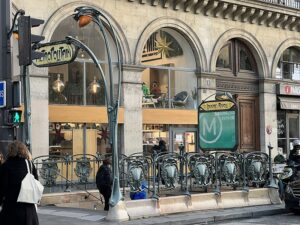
<point x="283" y="219"/>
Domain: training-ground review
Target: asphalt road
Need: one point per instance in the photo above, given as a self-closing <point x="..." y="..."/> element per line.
<point x="284" y="219"/>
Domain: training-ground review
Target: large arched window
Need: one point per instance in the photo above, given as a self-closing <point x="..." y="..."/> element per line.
<point x="79" y="83"/>
<point x="235" y="58"/>
<point x="288" y="66"/>
<point x="169" y="79"/>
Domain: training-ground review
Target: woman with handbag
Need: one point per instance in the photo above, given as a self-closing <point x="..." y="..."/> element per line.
<point x="12" y="172"/>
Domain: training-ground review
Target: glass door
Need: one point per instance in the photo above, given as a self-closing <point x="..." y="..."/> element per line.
<point x="183" y="136"/>
<point x="292" y="130"/>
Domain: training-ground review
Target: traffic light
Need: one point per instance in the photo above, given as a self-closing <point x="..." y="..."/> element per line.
<point x="26" y="39"/>
<point x="12" y="117"/>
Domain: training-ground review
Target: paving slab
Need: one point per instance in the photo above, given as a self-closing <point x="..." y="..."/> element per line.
<point x="52" y="215"/>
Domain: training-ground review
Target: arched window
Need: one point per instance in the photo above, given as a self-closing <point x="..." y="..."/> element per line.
<point x="79" y="83"/>
<point x="169" y="80"/>
<point x="288" y="66"/>
<point x="238" y="75"/>
<point x="236" y="58"/>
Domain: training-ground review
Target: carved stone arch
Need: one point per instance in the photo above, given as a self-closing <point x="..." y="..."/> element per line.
<point x="190" y="36"/>
<point x="282" y="47"/>
<point x="67" y="10"/>
<point x="251" y="42"/>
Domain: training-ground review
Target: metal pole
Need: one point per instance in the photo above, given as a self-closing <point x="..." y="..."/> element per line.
<point x="272" y="183"/>
<point x="6" y="133"/>
<point x="27" y="107"/>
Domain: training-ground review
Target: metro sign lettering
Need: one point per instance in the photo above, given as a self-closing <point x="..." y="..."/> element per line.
<point x="211" y="129"/>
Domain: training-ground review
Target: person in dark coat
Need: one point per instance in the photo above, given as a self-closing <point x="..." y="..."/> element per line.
<point x="104" y="182"/>
<point x="12" y="172"/>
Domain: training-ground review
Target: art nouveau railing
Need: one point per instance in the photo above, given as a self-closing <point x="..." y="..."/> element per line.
<point x="159" y="174"/>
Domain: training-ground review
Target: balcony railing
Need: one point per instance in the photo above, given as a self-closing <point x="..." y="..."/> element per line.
<point x="287" y="3"/>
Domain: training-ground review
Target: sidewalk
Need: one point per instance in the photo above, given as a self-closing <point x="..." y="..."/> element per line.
<point x="51" y="215"/>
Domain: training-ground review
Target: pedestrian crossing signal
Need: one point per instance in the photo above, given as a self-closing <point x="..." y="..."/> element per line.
<point x="12" y="117"/>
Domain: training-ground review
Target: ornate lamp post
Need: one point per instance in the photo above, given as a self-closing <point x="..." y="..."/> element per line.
<point x="84" y="15"/>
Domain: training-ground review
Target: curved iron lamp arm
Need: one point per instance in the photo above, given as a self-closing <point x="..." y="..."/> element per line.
<point x="98" y="18"/>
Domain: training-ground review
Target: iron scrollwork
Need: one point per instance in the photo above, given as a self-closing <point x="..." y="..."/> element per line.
<point x="257" y="169"/>
<point x="169" y="172"/>
<point x="83" y="169"/>
<point x="136" y="175"/>
<point x="49" y="171"/>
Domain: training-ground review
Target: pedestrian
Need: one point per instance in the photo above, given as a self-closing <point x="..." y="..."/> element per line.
<point x="12" y="172"/>
<point x="162" y="146"/>
<point x="104" y="182"/>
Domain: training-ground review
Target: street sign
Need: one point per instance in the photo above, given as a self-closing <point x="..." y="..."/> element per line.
<point x="217" y="126"/>
<point x="2" y="94"/>
<point x="56" y="53"/>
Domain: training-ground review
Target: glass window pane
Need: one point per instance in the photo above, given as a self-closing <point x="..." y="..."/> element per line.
<point x="287" y="70"/>
<point x="94" y="85"/>
<point x="294" y="55"/>
<point x="183" y="90"/>
<point x="281" y="126"/>
<point x="67" y="138"/>
<point x="290" y="61"/>
<point x="245" y="63"/>
<point x="57" y="84"/>
<point x="296" y="72"/>
<point x="74" y="84"/>
<point x="223" y="60"/>
<point x="293" y="128"/>
<point x="278" y="71"/>
<point x="66" y="84"/>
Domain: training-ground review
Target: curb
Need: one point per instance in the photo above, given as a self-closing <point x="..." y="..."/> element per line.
<point x="210" y="216"/>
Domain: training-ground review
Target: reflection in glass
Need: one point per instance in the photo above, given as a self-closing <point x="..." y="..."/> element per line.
<point x="58" y="86"/>
<point x="68" y="138"/>
<point x="245" y="63"/>
<point x="289" y="65"/>
<point x="223" y="60"/>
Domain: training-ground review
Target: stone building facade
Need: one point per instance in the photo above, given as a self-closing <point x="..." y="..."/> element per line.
<point x="193" y="47"/>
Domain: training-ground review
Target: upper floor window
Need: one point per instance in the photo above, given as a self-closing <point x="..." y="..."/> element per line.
<point x="288" y="66"/>
<point x="235" y="57"/>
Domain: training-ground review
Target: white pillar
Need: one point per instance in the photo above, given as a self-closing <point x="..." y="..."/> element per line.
<point x="132" y="103"/>
<point x="39" y="111"/>
<point x="268" y="117"/>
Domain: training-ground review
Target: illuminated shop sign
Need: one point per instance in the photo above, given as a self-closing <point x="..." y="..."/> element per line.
<point x="288" y="89"/>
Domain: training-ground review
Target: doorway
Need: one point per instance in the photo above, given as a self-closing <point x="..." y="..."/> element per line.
<point x="185" y="136"/>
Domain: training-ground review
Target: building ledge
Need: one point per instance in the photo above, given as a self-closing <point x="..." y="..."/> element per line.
<point x="261" y="12"/>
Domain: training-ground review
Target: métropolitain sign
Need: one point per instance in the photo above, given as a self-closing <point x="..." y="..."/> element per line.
<point x="56" y="53"/>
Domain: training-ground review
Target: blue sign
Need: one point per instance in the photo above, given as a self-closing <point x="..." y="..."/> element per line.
<point x="2" y="94"/>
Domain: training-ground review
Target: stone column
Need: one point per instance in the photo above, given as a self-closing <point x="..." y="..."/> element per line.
<point x="132" y="103"/>
<point x="207" y="86"/>
<point x="268" y="116"/>
<point x="39" y="111"/>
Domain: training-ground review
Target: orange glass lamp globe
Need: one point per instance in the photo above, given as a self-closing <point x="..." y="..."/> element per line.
<point x="16" y="35"/>
<point x="84" y="20"/>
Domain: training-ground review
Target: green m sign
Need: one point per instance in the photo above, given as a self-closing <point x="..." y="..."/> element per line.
<point x="217" y="126"/>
